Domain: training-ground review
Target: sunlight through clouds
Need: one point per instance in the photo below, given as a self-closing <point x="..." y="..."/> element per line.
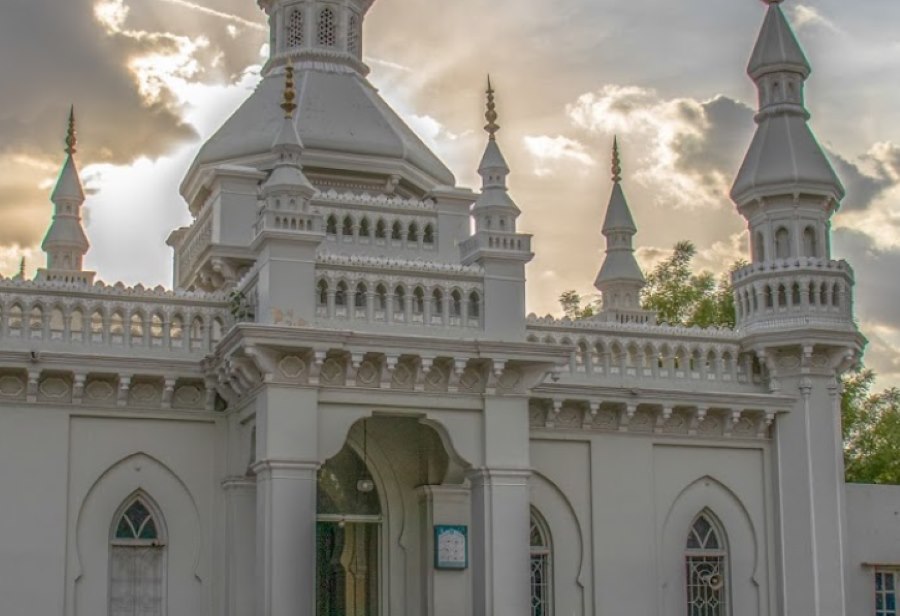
<point x="551" y="154"/>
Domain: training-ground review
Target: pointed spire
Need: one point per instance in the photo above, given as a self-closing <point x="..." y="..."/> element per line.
<point x="620" y="279"/>
<point x="287" y="176"/>
<point x="22" y="268"/>
<point x="616" y="162"/>
<point x="491" y="114"/>
<point x="66" y="242"/>
<point x="288" y="103"/>
<point x="784" y="158"/>
<point x="71" y="135"/>
<point x="777" y="47"/>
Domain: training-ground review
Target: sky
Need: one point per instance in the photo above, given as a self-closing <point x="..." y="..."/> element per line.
<point x="151" y="79"/>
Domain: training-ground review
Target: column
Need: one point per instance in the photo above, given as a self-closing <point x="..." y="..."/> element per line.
<point x="501" y="514"/>
<point x="444" y="591"/>
<point x="810" y="498"/>
<point x="287" y="453"/>
<point x="240" y="548"/>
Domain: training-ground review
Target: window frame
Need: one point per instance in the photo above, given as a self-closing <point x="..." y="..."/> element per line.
<point x="545" y="554"/>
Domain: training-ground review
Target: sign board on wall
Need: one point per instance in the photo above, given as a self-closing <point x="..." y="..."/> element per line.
<point x="451" y="547"/>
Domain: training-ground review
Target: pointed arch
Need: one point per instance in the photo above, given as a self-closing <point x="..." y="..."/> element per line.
<point x="707" y="581"/>
<point x="541" y="565"/>
<point x="740" y="546"/>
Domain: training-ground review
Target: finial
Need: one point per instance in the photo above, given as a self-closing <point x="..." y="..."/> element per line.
<point x="491" y="116"/>
<point x="290" y="94"/>
<point x="71" y="140"/>
<point x="616" y="162"/>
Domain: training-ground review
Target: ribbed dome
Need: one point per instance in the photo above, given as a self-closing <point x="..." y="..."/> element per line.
<point x="785" y="156"/>
<point x="337" y="112"/>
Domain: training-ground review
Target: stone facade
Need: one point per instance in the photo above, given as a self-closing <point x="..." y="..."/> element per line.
<point x="343" y="408"/>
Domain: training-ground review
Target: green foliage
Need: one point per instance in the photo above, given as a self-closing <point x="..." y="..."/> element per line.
<point x="681" y="297"/>
<point x="571" y="305"/>
<point x="871" y="428"/>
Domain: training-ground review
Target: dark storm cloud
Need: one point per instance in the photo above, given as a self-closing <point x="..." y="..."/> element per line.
<point x="722" y="130"/>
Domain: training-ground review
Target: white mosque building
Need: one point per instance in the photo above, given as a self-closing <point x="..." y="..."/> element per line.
<point x="342" y="408"/>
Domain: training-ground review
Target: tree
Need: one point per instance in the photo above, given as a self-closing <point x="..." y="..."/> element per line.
<point x="681" y="297"/>
<point x="871" y="428"/>
<point x="571" y="305"/>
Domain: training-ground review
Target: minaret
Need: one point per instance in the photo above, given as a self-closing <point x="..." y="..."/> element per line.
<point x="620" y="280"/>
<point x="496" y="245"/>
<point x="66" y="243"/>
<point x="288" y="230"/>
<point x="795" y="311"/>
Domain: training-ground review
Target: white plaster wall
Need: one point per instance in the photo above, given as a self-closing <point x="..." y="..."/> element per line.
<point x="33" y="459"/>
<point x="173" y="462"/>
<point x="619" y="508"/>
<point x="873" y="528"/>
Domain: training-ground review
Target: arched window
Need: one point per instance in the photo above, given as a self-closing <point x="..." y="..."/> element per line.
<point x="364" y="227"/>
<point x="380" y="297"/>
<point x="340" y="296"/>
<point x="760" y="246"/>
<point x="437" y="301"/>
<point x="706" y="562"/>
<point x="323" y="293"/>
<point x="455" y="304"/>
<point x="360" y="299"/>
<point x="399" y="301"/>
<point x="380" y="230"/>
<point x="418" y="306"/>
<point x="397" y="231"/>
<point x="541" y="568"/>
<point x="810" y="245"/>
<point x="474" y="305"/>
<point x="137" y="561"/>
<point x="428" y="235"/>
<point x="782" y="243"/>
<point x="347" y="228"/>
<point x="327" y="36"/>
<point x="331" y="225"/>
<point x="353" y="34"/>
<point x="295" y="29"/>
<point x="413" y="234"/>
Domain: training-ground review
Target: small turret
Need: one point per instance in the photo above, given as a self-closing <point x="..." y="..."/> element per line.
<point x="620" y="280"/>
<point x="66" y="242"/>
<point x="496" y="245"/>
<point x="288" y="229"/>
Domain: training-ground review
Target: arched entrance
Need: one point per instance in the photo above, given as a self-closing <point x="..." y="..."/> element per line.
<point x="376" y="502"/>
<point x="348" y="529"/>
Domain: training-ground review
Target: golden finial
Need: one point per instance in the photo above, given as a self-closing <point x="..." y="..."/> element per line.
<point x="290" y="94"/>
<point x="616" y="162"/>
<point x="71" y="140"/>
<point x="491" y="116"/>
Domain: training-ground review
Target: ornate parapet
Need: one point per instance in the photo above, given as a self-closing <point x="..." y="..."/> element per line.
<point x="792" y="293"/>
<point x="673" y="357"/>
<point x="102" y="319"/>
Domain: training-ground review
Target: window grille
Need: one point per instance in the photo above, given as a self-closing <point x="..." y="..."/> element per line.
<point x="706" y="574"/>
<point x="137" y="563"/>
<point x="885" y="592"/>
<point x="295" y="28"/>
<point x="353" y="35"/>
<point x="541" y="569"/>
<point x="327" y="28"/>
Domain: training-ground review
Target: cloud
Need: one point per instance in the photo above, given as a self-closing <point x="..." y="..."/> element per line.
<point x="552" y="153"/>
<point x="805" y="16"/>
<point x="689" y="148"/>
